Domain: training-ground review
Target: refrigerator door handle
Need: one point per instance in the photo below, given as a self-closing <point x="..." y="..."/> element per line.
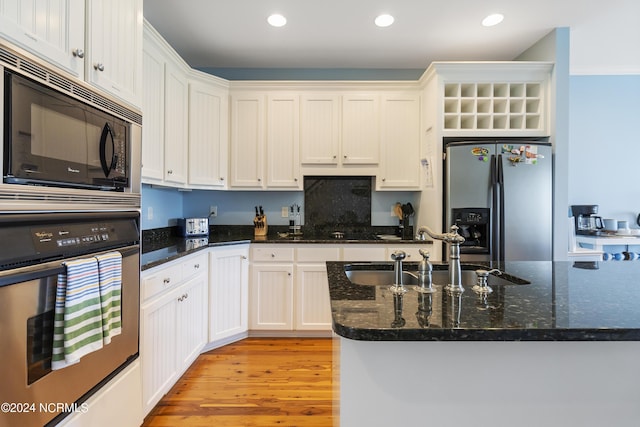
<point x="500" y="180"/>
<point x="494" y="210"/>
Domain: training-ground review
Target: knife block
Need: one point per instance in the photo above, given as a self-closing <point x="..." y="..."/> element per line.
<point x="260" y="225"/>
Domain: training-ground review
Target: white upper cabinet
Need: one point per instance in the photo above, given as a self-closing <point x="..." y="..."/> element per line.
<point x="400" y="142"/>
<point x="265" y="140"/>
<point x="114" y="46"/>
<point x="153" y="110"/>
<point x="52" y="30"/>
<point x="360" y="129"/>
<point x="319" y="129"/>
<point x="185" y="140"/>
<point x="247" y="140"/>
<point x="99" y="41"/>
<point x="283" y="141"/>
<point x="208" y="134"/>
<point x="176" y="96"/>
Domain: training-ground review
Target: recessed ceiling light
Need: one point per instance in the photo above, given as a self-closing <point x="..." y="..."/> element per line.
<point x="384" y="20"/>
<point x="277" y="20"/>
<point x="493" y="19"/>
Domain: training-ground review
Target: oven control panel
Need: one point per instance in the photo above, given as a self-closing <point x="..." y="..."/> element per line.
<point x="70" y="237"/>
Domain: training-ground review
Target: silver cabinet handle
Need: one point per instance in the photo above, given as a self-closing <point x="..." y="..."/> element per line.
<point x="221" y="178"/>
<point x="273" y="255"/>
<point x="345" y="156"/>
<point x="196" y="266"/>
<point x="169" y="172"/>
<point x="244" y="257"/>
<point x="167" y="281"/>
<point x="78" y="53"/>
<point x="99" y="66"/>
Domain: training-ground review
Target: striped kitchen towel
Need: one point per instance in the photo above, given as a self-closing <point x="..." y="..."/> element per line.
<point x="110" y="277"/>
<point x="77" y="326"/>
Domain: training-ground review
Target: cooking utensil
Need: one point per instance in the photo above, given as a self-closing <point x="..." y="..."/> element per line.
<point x="397" y="210"/>
<point x="410" y="210"/>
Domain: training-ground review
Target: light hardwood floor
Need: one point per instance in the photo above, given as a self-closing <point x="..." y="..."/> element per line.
<point x="256" y="382"/>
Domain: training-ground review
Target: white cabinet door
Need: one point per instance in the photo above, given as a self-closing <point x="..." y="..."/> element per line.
<point x="192" y="314"/>
<point x="400" y="143"/>
<point x="271" y="297"/>
<point x="360" y="129"/>
<point x="114" y="47"/>
<point x="208" y="135"/>
<point x="228" y="292"/>
<point x="52" y="30"/>
<point x="313" y="306"/>
<point x="153" y="111"/>
<point x="158" y="349"/>
<point x="175" y="125"/>
<point x="319" y="129"/>
<point x="283" y="141"/>
<point x="247" y="140"/>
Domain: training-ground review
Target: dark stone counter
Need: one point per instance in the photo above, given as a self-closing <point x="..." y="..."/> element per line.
<point x="563" y="302"/>
<point x="162" y="245"/>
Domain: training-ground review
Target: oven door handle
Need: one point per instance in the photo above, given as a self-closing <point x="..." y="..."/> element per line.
<point x="107" y="167"/>
<point x="52" y="268"/>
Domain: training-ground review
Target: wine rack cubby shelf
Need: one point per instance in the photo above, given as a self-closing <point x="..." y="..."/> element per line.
<point x="493" y="106"/>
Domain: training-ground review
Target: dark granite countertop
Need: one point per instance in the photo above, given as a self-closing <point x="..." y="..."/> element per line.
<point x="164" y="247"/>
<point x="563" y="302"/>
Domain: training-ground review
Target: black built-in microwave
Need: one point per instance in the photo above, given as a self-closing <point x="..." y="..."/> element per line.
<point x="53" y="139"/>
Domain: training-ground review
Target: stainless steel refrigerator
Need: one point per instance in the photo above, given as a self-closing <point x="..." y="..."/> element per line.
<point x="499" y="192"/>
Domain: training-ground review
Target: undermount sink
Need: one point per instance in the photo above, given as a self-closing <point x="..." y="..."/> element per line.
<point x="381" y="274"/>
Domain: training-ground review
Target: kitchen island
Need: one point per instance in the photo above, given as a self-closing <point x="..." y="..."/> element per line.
<point x="562" y="350"/>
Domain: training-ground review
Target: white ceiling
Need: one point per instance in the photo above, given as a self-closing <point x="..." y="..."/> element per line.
<point x="340" y="34"/>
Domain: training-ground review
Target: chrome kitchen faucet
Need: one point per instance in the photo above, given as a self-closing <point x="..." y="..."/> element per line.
<point x="454" y="240"/>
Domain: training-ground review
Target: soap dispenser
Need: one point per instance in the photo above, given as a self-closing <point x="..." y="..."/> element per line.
<point x="425" y="270"/>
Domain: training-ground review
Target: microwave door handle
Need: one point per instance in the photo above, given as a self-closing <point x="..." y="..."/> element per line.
<point x="107" y="167"/>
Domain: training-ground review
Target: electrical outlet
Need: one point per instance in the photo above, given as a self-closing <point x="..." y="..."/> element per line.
<point x="213" y="211"/>
<point x="284" y="212"/>
<point x="150" y="213"/>
<point x="393" y="212"/>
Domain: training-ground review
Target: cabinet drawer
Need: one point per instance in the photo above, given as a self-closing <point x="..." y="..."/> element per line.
<point x="161" y="280"/>
<point x="369" y="253"/>
<point x="272" y="253"/>
<point x="315" y="253"/>
<point x="194" y="265"/>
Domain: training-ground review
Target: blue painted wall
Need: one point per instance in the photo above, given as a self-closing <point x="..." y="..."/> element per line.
<point x="604" y="144"/>
<point x="237" y="207"/>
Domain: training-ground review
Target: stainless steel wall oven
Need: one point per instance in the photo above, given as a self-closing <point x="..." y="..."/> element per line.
<point x="32" y="253"/>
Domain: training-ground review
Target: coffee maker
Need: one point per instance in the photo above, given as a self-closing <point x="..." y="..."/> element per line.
<point x="587" y="223"/>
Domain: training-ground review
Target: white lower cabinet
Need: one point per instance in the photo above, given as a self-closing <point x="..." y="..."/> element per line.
<point x="312" y="302"/>
<point x="173" y="323"/>
<point x="289" y="289"/>
<point x="271" y="297"/>
<point x="228" y="292"/>
<point x="313" y="306"/>
<point x="192" y="320"/>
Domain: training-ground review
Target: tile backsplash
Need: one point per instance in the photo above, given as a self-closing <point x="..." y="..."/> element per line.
<point x="337" y="203"/>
